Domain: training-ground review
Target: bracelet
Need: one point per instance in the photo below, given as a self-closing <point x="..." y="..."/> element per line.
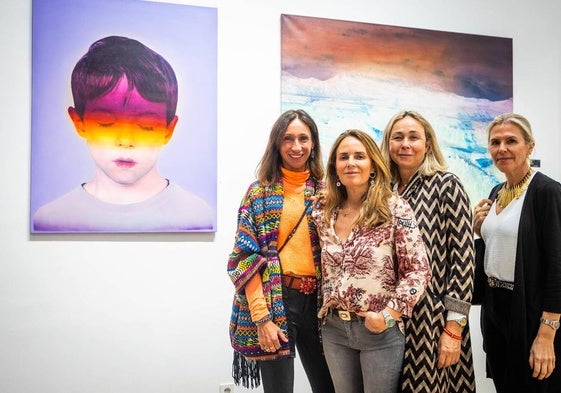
<point x="551" y="323"/>
<point x="451" y="334"/>
<point x="263" y="320"/>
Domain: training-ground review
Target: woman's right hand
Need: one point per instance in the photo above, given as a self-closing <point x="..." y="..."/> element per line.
<point x="318" y="201"/>
<point x="269" y="336"/>
<point x="479" y="214"/>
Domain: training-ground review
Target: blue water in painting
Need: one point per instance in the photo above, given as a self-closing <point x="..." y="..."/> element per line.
<point x="349" y="101"/>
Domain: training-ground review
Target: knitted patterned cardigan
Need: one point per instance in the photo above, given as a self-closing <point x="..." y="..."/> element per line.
<point x="255" y="252"/>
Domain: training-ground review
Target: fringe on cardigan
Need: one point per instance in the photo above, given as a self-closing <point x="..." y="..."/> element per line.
<point x="246" y="371"/>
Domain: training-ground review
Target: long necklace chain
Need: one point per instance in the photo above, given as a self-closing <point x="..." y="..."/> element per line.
<point x="508" y="194"/>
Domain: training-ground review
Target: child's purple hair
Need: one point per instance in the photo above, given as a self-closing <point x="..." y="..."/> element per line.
<point x="111" y="58"/>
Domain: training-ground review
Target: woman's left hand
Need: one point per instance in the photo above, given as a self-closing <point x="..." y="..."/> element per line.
<point x="448" y="350"/>
<point x="373" y="321"/>
<point x="542" y="353"/>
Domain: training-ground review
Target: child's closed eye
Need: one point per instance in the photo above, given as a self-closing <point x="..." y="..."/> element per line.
<point x="103" y="118"/>
<point x="105" y="123"/>
<point x="146" y="127"/>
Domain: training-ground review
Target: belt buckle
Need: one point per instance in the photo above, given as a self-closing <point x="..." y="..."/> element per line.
<point x="496" y="283"/>
<point x="307" y="285"/>
<point x="344" y="315"/>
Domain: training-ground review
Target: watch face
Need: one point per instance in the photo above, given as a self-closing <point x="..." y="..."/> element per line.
<point x="554" y="324"/>
<point x="463" y="321"/>
<point x="390" y="322"/>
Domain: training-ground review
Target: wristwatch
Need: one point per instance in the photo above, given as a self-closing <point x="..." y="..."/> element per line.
<point x="390" y="322"/>
<point x="461" y="321"/>
<point x="551" y="323"/>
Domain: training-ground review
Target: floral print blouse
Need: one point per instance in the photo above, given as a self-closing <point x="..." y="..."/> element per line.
<point x="374" y="267"/>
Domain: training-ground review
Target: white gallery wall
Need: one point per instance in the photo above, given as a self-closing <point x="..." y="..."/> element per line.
<point x="149" y="313"/>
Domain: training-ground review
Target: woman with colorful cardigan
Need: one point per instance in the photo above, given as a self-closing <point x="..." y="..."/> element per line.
<point x="275" y="264"/>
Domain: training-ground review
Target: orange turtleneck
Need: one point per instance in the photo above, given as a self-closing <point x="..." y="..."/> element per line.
<point x="296" y="257"/>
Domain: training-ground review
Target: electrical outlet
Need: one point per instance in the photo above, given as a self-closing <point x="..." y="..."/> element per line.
<point x="226" y="388"/>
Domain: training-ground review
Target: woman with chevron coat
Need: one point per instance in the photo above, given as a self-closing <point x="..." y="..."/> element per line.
<point x="438" y="356"/>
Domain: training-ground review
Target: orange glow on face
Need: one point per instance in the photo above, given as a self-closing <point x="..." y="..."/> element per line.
<point x="124" y="119"/>
<point x="107" y="128"/>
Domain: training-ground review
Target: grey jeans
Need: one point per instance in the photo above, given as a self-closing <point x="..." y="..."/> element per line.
<point x="361" y="361"/>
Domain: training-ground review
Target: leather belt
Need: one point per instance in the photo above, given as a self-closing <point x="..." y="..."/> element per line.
<point x="304" y="284"/>
<point x="496" y="283"/>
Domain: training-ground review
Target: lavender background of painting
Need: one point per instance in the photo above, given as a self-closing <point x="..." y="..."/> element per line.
<point x="185" y="36"/>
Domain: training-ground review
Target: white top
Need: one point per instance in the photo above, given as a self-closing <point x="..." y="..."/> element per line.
<point x="500" y="233"/>
<point x="172" y="210"/>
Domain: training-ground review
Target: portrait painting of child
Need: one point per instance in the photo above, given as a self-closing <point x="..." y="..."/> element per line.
<point x="125" y="112"/>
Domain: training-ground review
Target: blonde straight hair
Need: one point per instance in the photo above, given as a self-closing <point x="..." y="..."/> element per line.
<point x="518" y="120"/>
<point x="434" y="159"/>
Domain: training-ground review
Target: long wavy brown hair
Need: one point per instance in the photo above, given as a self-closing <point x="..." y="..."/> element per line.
<point x="269" y="168"/>
<point x="375" y="208"/>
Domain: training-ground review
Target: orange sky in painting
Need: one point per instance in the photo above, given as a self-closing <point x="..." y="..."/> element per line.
<point x="465" y="64"/>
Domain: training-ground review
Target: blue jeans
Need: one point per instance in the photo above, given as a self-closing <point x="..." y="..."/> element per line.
<point x="278" y="375"/>
<point x="361" y="361"/>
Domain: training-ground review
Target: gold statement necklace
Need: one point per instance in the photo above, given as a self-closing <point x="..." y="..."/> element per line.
<point x="508" y="194"/>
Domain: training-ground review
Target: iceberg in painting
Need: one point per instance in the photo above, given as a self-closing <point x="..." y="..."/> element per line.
<point x="357" y="75"/>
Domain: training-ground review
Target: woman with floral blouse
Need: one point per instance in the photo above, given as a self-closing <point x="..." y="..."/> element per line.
<point x="374" y="267"/>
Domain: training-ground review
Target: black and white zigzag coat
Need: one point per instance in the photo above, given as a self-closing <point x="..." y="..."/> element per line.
<point x="443" y="214"/>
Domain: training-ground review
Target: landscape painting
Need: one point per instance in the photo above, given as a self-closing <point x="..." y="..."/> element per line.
<point x="358" y="75"/>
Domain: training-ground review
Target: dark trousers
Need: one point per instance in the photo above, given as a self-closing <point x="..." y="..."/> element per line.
<point x="509" y="369"/>
<point x="278" y="375"/>
<point x="495" y="325"/>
